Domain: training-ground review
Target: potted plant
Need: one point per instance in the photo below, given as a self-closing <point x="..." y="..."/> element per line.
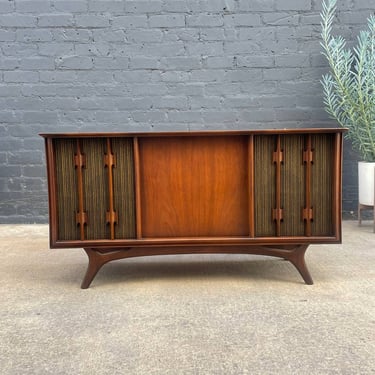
<point x="349" y="93"/>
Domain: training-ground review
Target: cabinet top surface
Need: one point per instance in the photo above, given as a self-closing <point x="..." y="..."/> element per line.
<point x="195" y="133"/>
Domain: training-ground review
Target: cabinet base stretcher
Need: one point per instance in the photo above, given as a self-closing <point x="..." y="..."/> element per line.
<point x="99" y="256"/>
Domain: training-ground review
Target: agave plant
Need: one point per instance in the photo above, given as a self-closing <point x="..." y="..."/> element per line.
<point x="349" y="88"/>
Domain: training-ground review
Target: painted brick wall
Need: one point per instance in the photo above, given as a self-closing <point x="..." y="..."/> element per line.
<point x="112" y="65"/>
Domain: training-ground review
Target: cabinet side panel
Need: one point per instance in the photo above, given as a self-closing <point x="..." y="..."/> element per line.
<point x="293" y="194"/>
<point x="95" y="188"/>
<point x="264" y="185"/>
<point x="322" y="184"/>
<point x="123" y="180"/>
<point x="66" y="183"/>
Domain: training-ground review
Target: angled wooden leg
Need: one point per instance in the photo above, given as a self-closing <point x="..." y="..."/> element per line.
<point x="297" y="258"/>
<point x="97" y="259"/>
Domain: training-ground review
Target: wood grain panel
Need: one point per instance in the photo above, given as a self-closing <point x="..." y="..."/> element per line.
<point x="95" y="188"/>
<point x="66" y="181"/>
<point x="123" y="180"/>
<point x="322" y="184"/>
<point x="194" y="186"/>
<point x="265" y="183"/>
<point x="293" y="195"/>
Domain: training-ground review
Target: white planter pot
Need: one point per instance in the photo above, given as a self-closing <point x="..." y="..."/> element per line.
<point x="366" y="176"/>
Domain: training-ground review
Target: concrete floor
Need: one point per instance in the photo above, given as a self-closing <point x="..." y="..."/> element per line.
<point x="186" y="314"/>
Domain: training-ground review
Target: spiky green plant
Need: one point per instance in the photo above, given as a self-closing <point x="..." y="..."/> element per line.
<point x="349" y="88"/>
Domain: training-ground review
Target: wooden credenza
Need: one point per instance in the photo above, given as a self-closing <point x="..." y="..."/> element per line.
<point x="269" y="192"/>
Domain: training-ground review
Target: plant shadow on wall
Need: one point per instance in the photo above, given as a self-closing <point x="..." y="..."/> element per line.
<point x="349" y="92"/>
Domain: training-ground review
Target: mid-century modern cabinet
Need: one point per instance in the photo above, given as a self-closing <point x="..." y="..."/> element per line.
<point x="269" y="192"/>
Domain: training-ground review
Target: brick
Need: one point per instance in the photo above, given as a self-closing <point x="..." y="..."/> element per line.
<point x="92" y="49"/>
<point x="129" y="22"/>
<point x="74" y="62"/>
<point x="105" y="35"/>
<point x="111" y="63"/>
<point x="153" y="117"/>
<point x="145" y="35"/>
<point x="293" y="5"/>
<point x="217" y="6"/>
<point x="61" y="103"/>
<point x="167" y="21"/>
<point x="71" y="35"/>
<point x="353" y="17"/>
<point x="207" y="75"/>
<point x="95" y="77"/>
<point x="178" y="34"/>
<point x="279" y="74"/>
<point x="144" y="63"/>
<point x="7" y="36"/>
<point x="256" y="5"/>
<point x="256" y="61"/>
<point x="205" y="48"/>
<point x="40" y="117"/>
<point x="238" y="101"/>
<point x="151" y="89"/>
<point x="244" y="75"/>
<point x="292" y="60"/>
<point x="258" y="115"/>
<point x="18" y="20"/>
<point x="33" y="35"/>
<point x="204" y="20"/>
<point x="259" y="34"/>
<point x="156" y="49"/>
<point x="9" y="90"/>
<point x="11" y="104"/>
<point x="215" y="62"/>
<point x="280" y="18"/>
<point x="212" y="34"/>
<point x="185" y="116"/>
<point x="181" y="63"/>
<point x="37" y="63"/>
<point x="55" y="20"/>
<point x="219" y="116"/>
<point x="72" y="6"/>
<point x="111" y="6"/>
<point x="176" y="6"/>
<point x="91" y="21"/>
<point x="248" y="47"/>
<point x="33" y="6"/>
<point x="275" y="101"/>
<point x="365" y="4"/>
<point x="174" y="76"/>
<point x="34" y="171"/>
<point x="9" y="117"/>
<point x="292" y="114"/>
<point x="132" y="76"/>
<point x="143" y="6"/>
<point x="205" y="102"/>
<point x="9" y="63"/>
<point x="217" y="89"/>
<point x="7" y="6"/>
<point x="26" y="157"/>
<point x="170" y="102"/>
<point x="19" y="49"/>
<point x="54" y="49"/>
<point x="93" y="103"/>
<point x="21" y="77"/>
<point x="245" y="19"/>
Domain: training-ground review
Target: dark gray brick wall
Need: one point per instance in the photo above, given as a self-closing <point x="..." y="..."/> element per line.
<point x="113" y="65"/>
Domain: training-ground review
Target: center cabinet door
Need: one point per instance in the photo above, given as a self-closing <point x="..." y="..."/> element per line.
<point x="194" y="186"/>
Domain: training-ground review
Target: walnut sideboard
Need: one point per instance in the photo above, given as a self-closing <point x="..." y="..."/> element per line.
<point x="268" y="192"/>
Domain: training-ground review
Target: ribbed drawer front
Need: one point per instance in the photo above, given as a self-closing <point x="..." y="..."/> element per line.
<point x="86" y="190"/>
